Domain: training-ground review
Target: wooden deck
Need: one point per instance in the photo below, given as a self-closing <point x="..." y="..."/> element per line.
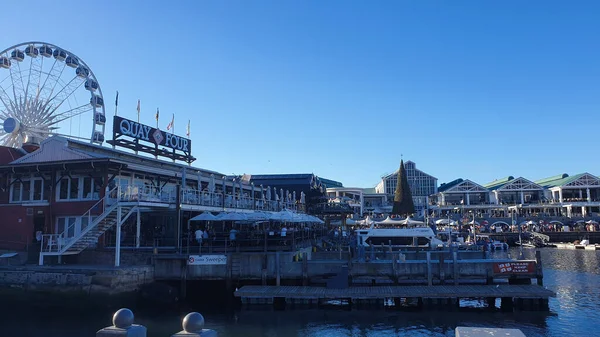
<point x="380" y="292"/>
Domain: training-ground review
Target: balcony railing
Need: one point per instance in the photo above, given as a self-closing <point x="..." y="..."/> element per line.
<point x="200" y="198"/>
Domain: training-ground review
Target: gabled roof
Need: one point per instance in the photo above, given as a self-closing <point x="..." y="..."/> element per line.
<point x="9" y="154"/>
<point x="465" y="186"/>
<point x="498" y="183"/>
<point x="578" y="180"/>
<point x="445" y="186"/>
<point x="54" y="149"/>
<point x="517" y="184"/>
<point x="550" y="181"/>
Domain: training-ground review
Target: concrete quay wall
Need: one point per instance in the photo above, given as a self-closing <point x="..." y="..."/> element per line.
<point x="77" y="279"/>
<point x="283" y="266"/>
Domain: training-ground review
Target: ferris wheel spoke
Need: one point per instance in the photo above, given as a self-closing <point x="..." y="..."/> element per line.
<point x="66" y="91"/>
<point x="8" y="103"/>
<point x="53" y="75"/>
<point x="35" y="73"/>
<point x="80" y="110"/>
<point x="16" y="89"/>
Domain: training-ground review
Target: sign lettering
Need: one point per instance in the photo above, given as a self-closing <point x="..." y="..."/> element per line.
<point x="161" y="143"/>
<point x="514" y="268"/>
<point x="207" y="260"/>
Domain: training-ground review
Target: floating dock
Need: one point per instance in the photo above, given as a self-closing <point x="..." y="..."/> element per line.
<point x="525" y="297"/>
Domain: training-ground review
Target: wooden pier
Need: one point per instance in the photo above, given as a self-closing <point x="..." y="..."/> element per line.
<point x="525" y="297"/>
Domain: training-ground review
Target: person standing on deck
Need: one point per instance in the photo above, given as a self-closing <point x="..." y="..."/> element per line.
<point x="199" y="235"/>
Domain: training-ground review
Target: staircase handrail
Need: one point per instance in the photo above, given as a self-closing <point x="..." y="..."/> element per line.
<point x="90" y="223"/>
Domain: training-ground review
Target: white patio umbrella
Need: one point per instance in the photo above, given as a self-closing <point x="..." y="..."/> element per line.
<point x="409" y="221"/>
<point x="591" y="222"/>
<point x="445" y="222"/>
<point x="302" y="197"/>
<point x="390" y="221"/>
<point x="232" y="216"/>
<point x="254" y="216"/>
<point x="294" y="197"/>
<point x="206" y="216"/>
<point x="284" y="216"/>
<point x="269" y="193"/>
<point x="262" y="192"/>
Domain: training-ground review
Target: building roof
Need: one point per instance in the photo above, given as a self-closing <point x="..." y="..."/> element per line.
<point x="62" y="149"/>
<point x="9" y="154"/>
<point x="445" y="186"/>
<point x="496" y="184"/>
<point x="551" y="181"/>
<point x="330" y="183"/>
<point x="406" y="163"/>
<point x="586" y="180"/>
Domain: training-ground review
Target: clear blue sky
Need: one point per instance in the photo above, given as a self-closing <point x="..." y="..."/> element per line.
<point x="471" y="89"/>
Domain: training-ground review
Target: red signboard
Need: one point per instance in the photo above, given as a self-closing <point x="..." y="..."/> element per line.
<point x="514" y="268"/>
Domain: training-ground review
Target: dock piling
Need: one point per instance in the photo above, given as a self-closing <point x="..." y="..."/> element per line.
<point x="429" y="276"/>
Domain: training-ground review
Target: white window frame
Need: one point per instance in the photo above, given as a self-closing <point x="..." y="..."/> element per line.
<point x="31" y="180"/>
<point x="81" y="194"/>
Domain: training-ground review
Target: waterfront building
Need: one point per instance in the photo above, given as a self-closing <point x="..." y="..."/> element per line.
<point x="68" y="194"/>
<point x="561" y="195"/>
<point x="421" y="184"/>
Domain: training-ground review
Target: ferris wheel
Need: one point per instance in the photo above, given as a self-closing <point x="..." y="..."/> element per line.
<point x="46" y="90"/>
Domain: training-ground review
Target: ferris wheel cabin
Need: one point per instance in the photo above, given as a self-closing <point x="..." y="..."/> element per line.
<point x="59" y="54"/>
<point x="91" y="85"/>
<point x="72" y="61"/>
<point x="32" y="51"/>
<point x="17" y="55"/>
<point x="45" y="51"/>
<point x="4" y="62"/>
<point x="82" y="71"/>
<point x="96" y="101"/>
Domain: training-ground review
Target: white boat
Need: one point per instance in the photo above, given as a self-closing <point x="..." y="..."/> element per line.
<point x="492" y="244"/>
<point x="421" y="237"/>
<point x="584" y="244"/>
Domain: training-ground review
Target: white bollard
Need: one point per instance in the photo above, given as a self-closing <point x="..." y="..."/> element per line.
<point x="193" y="326"/>
<point x="123" y="326"/>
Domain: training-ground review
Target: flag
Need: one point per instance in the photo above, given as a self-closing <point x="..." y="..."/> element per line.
<point x="157" y="114"/>
<point x="117" y="99"/>
<point x="188" y="129"/>
<point x="172" y="123"/>
<point x="138" y="110"/>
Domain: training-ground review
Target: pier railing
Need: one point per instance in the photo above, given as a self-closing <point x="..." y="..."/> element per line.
<point x="123" y="326"/>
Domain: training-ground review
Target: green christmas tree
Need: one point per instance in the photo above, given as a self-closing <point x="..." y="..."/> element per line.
<point x="403" y="202"/>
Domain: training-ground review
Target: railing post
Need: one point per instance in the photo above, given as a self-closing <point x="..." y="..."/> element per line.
<point x="123" y="326"/>
<point x="193" y="326"/>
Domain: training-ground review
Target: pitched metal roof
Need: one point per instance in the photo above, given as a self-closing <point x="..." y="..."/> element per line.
<point x="551" y="181"/>
<point x="496" y="184"/>
<point x="445" y="186"/>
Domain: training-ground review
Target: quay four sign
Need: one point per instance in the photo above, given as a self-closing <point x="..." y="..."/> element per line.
<point x="141" y="132"/>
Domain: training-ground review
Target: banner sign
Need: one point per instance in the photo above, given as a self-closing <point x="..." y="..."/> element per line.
<point x="514" y="268"/>
<point x="143" y="138"/>
<point x="207" y="260"/>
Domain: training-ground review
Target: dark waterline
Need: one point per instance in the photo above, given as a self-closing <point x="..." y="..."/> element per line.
<point x="573" y="274"/>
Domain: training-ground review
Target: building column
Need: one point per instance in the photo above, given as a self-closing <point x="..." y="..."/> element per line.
<point x="583" y="211"/>
<point x="522" y="197"/>
<point x="362" y="203"/>
<point x="138" y="229"/>
<point x="468" y="200"/>
<point x="560" y="196"/>
<point x="589" y="197"/>
<point x="497" y="201"/>
<point x="443" y="197"/>
<point x="580" y="194"/>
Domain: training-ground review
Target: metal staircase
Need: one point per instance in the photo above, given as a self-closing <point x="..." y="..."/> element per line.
<point x="65" y="244"/>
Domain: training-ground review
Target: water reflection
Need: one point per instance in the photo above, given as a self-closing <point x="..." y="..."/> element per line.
<point x="573" y="274"/>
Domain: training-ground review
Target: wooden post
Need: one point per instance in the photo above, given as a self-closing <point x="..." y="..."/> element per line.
<point x="538" y="268"/>
<point x="442" y="267"/>
<point x="304" y="269"/>
<point x="429" y="276"/>
<point x="455" y="268"/>
<point x="277" y="271"/>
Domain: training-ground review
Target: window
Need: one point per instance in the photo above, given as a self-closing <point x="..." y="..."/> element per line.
<point x="79" y="188"/>
<point x="27" y="189"/>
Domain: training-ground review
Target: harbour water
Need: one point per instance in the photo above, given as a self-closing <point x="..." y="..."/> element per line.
<point x="573" y="274"/>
